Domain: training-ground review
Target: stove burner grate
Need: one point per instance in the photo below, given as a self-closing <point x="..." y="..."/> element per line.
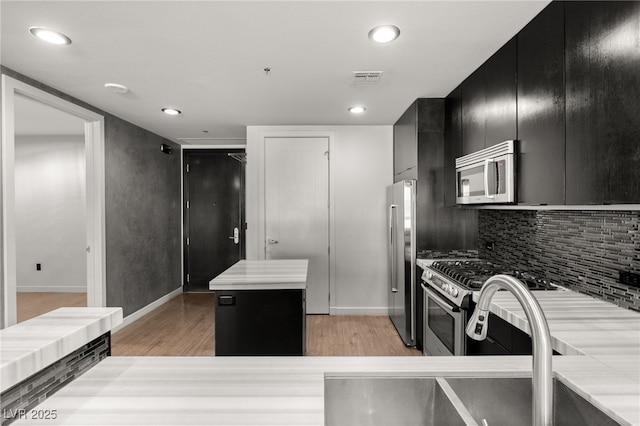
<point x="472" y="274"/>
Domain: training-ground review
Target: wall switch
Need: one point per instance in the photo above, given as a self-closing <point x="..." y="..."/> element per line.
<point x="489" y="245"/>
<point x="38" y="266"/>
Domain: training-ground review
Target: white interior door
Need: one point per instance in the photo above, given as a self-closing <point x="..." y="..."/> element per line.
<point x="297" y="209"/>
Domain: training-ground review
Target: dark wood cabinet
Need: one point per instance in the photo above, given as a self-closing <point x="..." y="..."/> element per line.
<point x="438" y="227"/>
<point x="567" y="87"/>
<point x="405" y="145"/>
<point x="452" y="144"/>
<point x="502" y="339"/>
<point x="260" y="322"/>
<point x="489" y="112"/>
<point x="602" y="63"/>
<point x="473" y="112"/>
<point x="500" y="95"/>
<point x="541" y="138"/>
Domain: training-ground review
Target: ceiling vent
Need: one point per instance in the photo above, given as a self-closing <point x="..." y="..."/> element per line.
<point x="367" y="77"/>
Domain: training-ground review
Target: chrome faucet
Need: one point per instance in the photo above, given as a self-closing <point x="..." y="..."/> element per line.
<point x="542" y="351"/>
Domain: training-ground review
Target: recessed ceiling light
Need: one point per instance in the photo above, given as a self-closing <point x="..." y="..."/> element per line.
<point x="50" y="36"/>
<point x="356" y="109"/>
<point x="171" y="111"/>
<point x="384" y="33"/>
<point x="116" y="88"/>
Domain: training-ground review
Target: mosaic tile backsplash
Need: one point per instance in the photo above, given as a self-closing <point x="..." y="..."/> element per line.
<point x="582" y="250"/>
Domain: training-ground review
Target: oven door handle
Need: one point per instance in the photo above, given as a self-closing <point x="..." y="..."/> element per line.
<point x="438" y="299"/>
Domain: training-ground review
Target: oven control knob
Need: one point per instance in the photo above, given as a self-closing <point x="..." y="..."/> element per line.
<point x="429" y="275"/>
<point x="454" y="292"/>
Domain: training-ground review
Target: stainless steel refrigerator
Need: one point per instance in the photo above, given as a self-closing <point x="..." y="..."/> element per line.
<point x="401" y="240"/>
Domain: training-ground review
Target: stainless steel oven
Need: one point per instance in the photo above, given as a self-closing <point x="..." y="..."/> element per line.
<point x="444" y="324"/>
<point x="448" y="286"/>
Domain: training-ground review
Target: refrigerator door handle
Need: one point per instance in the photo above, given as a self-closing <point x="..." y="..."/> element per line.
<point x="392" y="254"/>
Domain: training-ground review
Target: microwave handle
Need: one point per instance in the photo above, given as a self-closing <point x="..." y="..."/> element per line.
<point x="486" y="177"/>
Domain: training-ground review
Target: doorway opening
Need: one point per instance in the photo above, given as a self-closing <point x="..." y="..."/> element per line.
<point x="214" y="214"/>
<point x="53" y="202"/>
<point x="50" y="205"/>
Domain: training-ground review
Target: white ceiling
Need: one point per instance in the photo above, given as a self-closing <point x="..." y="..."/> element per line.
<point x="207" y="57"/>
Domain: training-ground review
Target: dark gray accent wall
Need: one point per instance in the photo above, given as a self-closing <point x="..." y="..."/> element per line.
<point x="143" y="202"/>
<point x="143" y="209"/>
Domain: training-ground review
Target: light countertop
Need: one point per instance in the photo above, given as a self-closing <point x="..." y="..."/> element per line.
<point x="579" y="324"/>
<point x="290" y="390"/>
<point x="273" y="274"/>
<point x="286" y="390"/>
<point x="29" y="346"/>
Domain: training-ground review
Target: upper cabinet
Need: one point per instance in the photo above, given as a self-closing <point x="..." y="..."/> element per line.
<point x="405" y="145"/>
<point x="603" y="102"/>
<point x="541" y="118"/>
<point x="473" y="112"/>
<point x="489" y="101"/>
<point x="500" y="95"/>
<point x="453" y="143"/>
<point x="567" y="87"/>
<point x="420" y="134"/>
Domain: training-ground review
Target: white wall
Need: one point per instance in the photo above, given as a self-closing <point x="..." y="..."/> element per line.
<point x="50" y="213"/>
<point x="361" y="167"/>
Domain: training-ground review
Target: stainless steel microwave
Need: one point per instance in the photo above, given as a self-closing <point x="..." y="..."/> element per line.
<point x="487" y="176"/>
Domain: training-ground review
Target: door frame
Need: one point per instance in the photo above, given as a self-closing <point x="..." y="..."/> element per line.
<point x="204" y="148"/>
<point x="255" y="193"/>
<point x="95" y="193"/>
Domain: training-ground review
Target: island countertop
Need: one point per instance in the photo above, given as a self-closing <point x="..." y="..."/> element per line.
<point x="270" y="274"/>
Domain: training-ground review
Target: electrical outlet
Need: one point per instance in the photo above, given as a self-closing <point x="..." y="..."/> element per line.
<point x="489" y="245"/>
<point x="630" y="278"/>
<point x="38" y="266"/>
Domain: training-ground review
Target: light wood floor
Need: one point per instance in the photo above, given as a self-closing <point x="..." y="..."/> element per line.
<point x="184" y="326"/>
<point x="31" y="305"/>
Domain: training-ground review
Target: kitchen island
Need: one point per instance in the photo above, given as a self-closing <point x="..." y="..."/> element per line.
<point x="260" y="308"/>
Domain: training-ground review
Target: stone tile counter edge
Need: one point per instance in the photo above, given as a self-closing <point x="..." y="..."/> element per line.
<point x="28" y="347"/>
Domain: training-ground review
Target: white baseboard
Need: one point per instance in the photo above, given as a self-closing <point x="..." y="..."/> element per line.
<point x="359" y="310"/>
<point x="144" y="311"/>
<point x="50" y="289"/>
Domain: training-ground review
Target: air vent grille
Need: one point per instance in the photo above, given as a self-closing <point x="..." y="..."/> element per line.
<point x="367" y="77"/>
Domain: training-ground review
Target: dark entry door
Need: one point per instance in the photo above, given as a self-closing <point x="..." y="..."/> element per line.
<point x="213" y="214"/>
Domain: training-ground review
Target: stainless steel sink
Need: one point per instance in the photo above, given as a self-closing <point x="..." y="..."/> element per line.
<point x="507" y="401"/>
<point x="394" y="401"/>
<point x="380" y="400"/>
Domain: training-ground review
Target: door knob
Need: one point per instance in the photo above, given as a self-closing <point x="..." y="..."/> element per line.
<point x="236" y="236"/>
<point x="272" y="241"/>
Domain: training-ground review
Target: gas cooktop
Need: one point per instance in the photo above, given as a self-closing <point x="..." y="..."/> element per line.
<point x="472" y="274"/>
